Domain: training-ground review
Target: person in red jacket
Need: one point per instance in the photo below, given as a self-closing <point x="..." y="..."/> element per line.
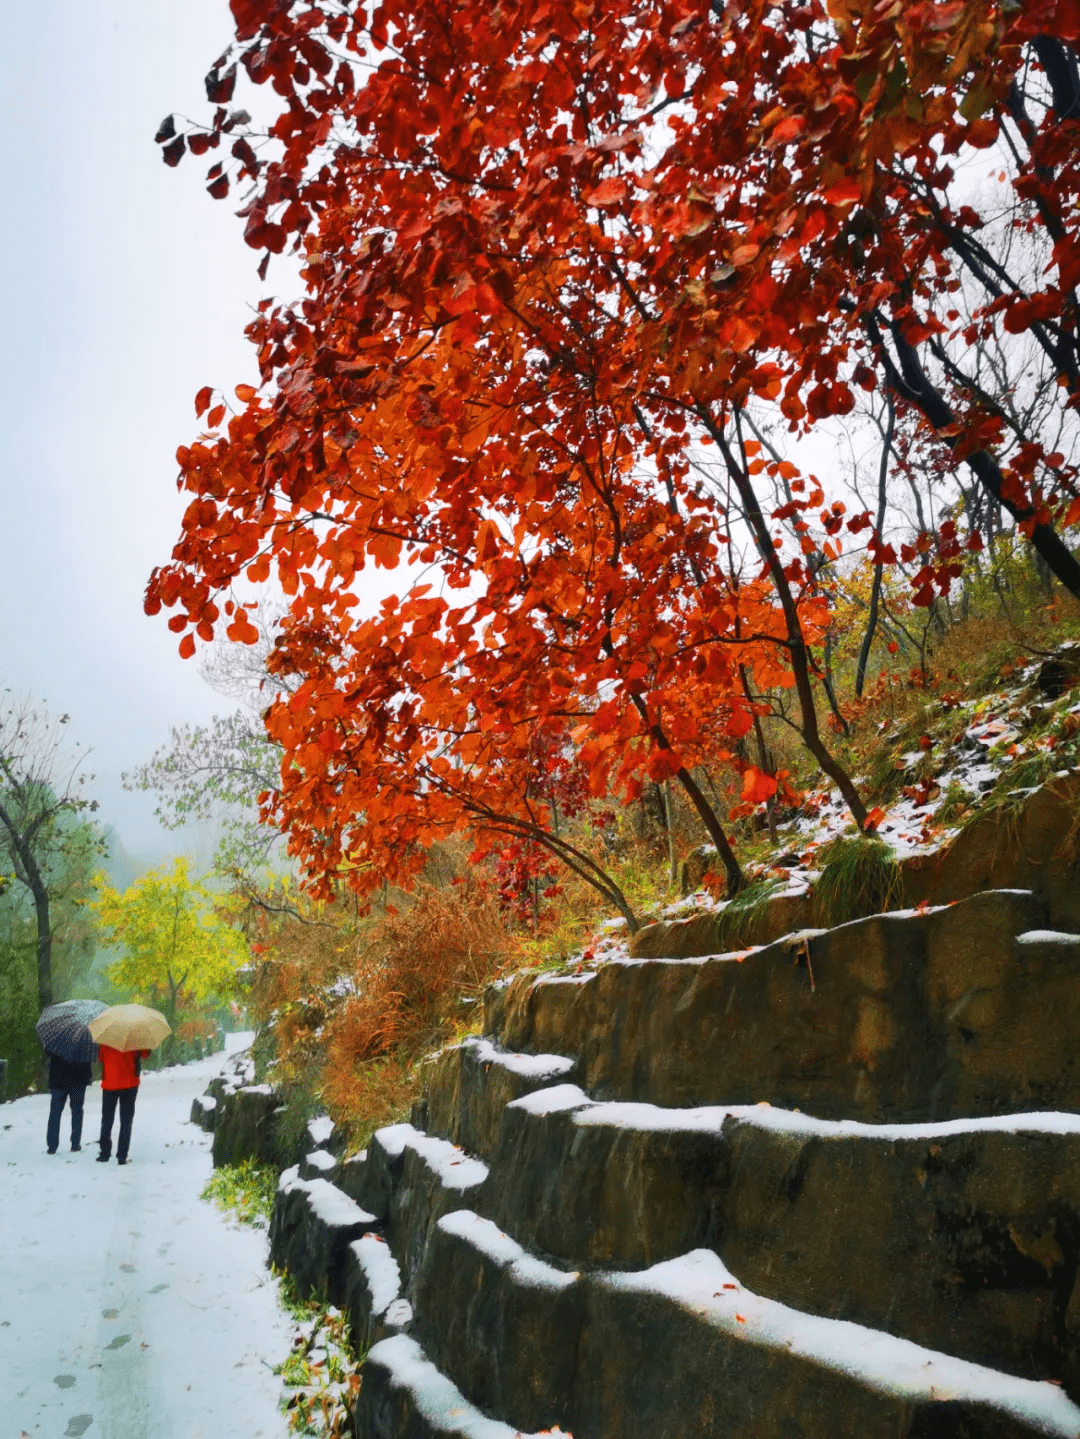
<point x="119" y="1085"/>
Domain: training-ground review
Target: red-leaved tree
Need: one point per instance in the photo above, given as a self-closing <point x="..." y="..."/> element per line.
<point x="551" y="251"/>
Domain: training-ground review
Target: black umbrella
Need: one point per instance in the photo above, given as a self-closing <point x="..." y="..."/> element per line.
<point x="62" y="1029"/>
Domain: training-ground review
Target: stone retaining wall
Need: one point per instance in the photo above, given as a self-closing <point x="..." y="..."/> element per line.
<point x="602" y="1233"/>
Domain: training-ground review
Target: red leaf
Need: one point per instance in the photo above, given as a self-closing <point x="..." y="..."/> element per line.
<point x="242" y="631"/>
<point x="187" y="647"/>
<point x="261" y="236"/>
<point x="245" y="393"/>
<point x="215" y="417"/>
<point x="220" y="187"/>
<point x="757" y="786"/>
<point x="202" y="400"/>
<point x="166" y="130"/>
<point x="844" y="192"/>
<point x="173" y="153"/>
<point x="246" y="155"/>
<point x="982" y="133"/>
<point x="220" y="87"/>
<point x="1067" y="21"/>
<point x="788" y="129"/>
<point x="608" y="192"/>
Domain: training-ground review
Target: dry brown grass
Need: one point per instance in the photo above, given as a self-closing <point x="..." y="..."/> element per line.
<point x="201" y="1026"/>
<point x="355" y="1004"/>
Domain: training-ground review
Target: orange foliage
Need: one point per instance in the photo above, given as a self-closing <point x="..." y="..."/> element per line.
<point x="353" y="1009"/>
<point x="200" y="1027"/>
<point x="521" y="309"/>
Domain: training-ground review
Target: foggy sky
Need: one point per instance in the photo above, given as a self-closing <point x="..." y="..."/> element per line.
<point x="127" y="288"/>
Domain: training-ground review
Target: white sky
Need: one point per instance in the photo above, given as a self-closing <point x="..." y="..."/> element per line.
<point x="128" y="288"/>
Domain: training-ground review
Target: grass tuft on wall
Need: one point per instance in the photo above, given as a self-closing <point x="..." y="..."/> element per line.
<point x="859" y="877"/>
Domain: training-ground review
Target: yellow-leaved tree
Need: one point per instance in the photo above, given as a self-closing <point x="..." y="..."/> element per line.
<point x="176" y="943"/>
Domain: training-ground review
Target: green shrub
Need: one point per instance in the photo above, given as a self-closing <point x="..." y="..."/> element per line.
<point x="19" y="1044"/>
<point x="736" y="922"/>
<point x="246" y="1190"/>
<point x="859" y="877"/>
<point x="955" y="803"/>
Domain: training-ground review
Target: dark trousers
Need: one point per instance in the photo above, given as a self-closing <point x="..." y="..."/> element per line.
<point x="109" y="1100"/>
<point x="56" y="1109"/>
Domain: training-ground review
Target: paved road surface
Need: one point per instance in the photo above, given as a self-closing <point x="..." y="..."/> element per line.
<point x="129" y="1308"/>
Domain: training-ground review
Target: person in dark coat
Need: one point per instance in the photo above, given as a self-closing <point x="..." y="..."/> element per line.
<point x="119" y="1086"/>
<point x="67" y="1081"/>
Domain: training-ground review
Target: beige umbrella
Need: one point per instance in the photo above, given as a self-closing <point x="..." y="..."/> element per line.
<point x="130" y="1026"/>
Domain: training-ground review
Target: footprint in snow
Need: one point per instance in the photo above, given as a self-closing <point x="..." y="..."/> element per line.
<point x="158" y="1288"/>
<point x="128" y="1268"/>
<point x="65" y="1381"/>
<point x="109" y="1313"/>
<point x="78" y="1424"/>
<point x="118" y="1343"/>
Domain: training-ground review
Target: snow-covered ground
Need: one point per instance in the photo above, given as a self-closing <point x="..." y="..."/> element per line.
<point x="129" y="1308"/>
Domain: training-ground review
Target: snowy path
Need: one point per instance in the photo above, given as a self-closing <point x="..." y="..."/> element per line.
<point x="129" y="1308"/>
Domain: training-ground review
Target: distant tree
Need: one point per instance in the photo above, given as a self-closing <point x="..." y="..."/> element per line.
<point x="18" y="992"/>
<point x="176" y="943"/>
<point x="42" y="791"/>
<point x="73" y="948"/>
<point x="218" y="770"/>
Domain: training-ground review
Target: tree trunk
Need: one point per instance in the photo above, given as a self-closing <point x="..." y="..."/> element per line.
<point x="875" y="590"/>
<point x="673" y="865"/>
<point x="830" y="689"/>
<point x="28" y="873"/>
<point x="796" y="644"/>
<point x="732" y="869"/>
<point x="708" y="816"/>
<point x="44" y="946"/>
<point x="765" y="760"/>
<point x="912" y="384"/>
